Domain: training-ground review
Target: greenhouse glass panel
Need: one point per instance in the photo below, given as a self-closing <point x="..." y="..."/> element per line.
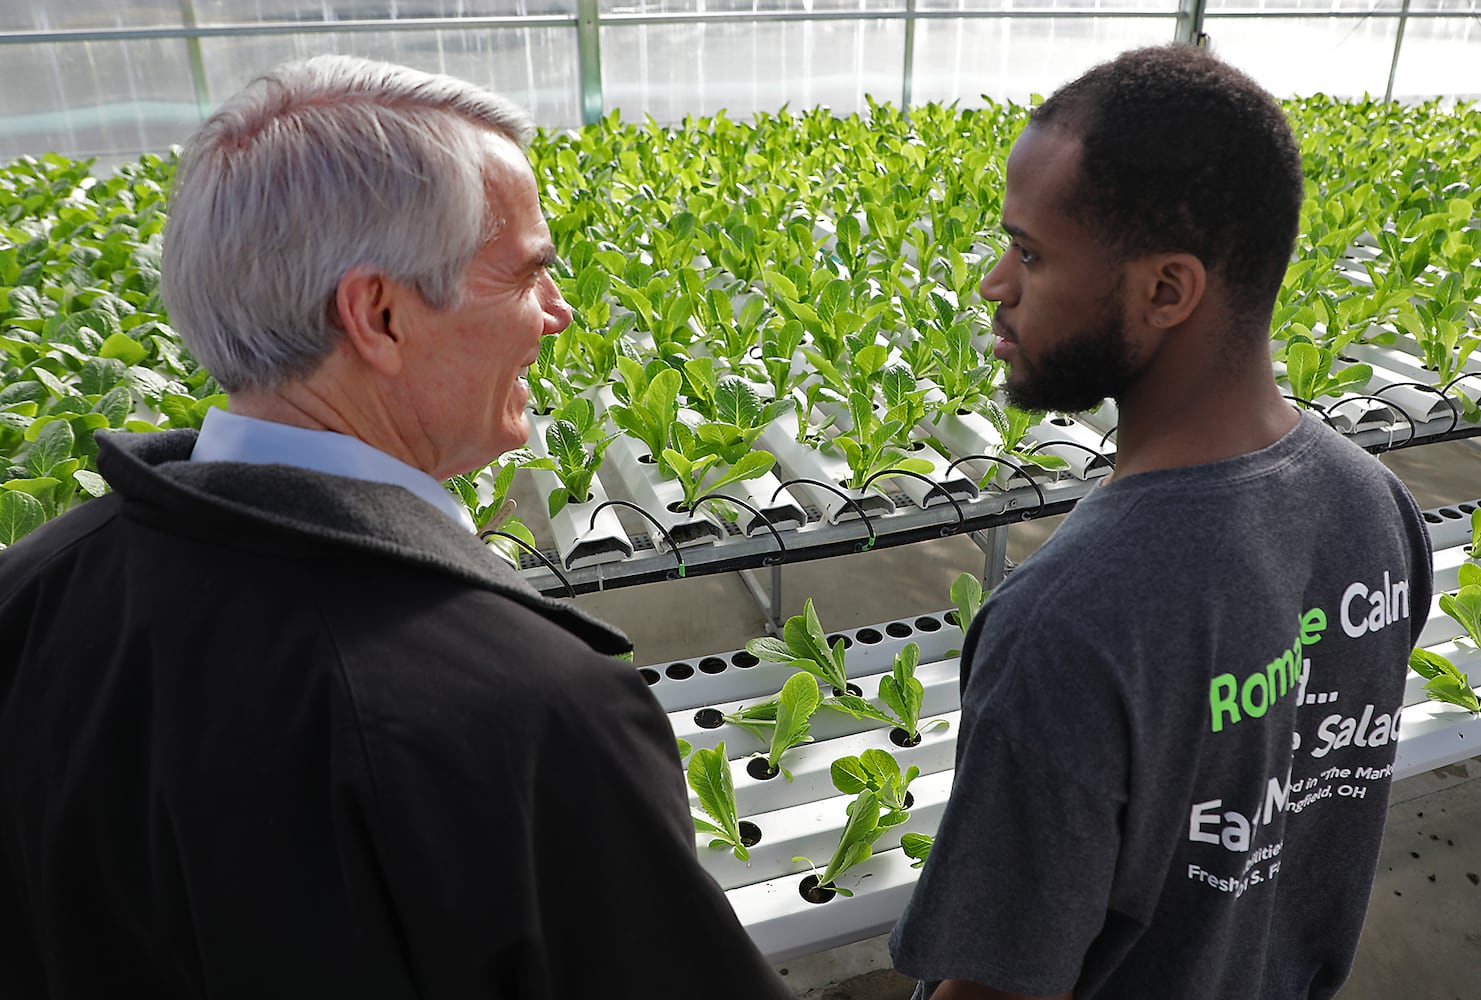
<point x="96" y="98"/>
<point x="1011" y="59"/>
<point x="1306" y="6"/>
<point x="77" y="15"/>
<point x="1068" y="6"/>
<point x="1440" y="56"/>
<point x="648" y="8"/>
<point x="1457" y="7"/>
<point x="1341" y="57"/>
<point x="534" y="67"/>
<point x="252" y="11"/>
<point x="670" y="71"/>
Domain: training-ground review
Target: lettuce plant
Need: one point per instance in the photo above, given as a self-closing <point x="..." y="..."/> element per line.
<point x="866" y="824"/>
<point x="576" y="442"/>
<point x="796" y="704"/>
<point x="917" y="846"/>
<point x="1445" y="681"/>
<point x="876" y="770"/>
<point x="804" y="646"/>
<point x="709" y="776"/>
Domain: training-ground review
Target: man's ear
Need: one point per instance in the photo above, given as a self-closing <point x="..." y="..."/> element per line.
<point x="367" y="305"/>
<point x="1172" y="287"/>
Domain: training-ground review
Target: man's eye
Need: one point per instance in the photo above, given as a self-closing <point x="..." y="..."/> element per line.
<point x="1026" y="256"/>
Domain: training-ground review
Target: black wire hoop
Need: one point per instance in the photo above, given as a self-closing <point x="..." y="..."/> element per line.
<point x="678" y="557"/>
<point x="484" y="536"/>
<point x="1444" y="398"/>
<point x="848" y="500"/>
<point x="781" y="548"/>
<point x="1446" y="390"/>
<point x="1387" y="404"/>
<point x="961" y="518"/>
<point x="1312" y="405"/>
<point x="1018" y="470"/>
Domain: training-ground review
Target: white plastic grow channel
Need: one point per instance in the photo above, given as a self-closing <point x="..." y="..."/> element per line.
<point x="804" y="817"/>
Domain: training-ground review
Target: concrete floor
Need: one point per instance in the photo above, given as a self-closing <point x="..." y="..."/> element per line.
<point x="1422" y="939"/>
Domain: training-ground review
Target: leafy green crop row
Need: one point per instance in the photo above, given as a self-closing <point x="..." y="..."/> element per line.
<point x="725" y="272"/>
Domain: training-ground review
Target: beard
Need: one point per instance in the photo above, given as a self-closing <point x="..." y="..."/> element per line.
<point x="1080" y="371"/>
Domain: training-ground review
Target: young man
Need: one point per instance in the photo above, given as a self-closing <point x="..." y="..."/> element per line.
<point x="1178" y="716"/>
<point x="273" y="721"/>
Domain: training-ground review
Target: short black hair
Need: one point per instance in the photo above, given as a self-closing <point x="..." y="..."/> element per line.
<point x="1183" y="153"/>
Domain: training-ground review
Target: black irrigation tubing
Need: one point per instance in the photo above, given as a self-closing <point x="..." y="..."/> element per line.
<point x="1459" y="378"/>
<point x="1073" y="444"/>
<point x="1444" y="398"/>
<point x="1392" y="407"/>
<point x="485" y="536"/>
<point x="850" y="501"/>
<point x="678" y="556"/>
<point x="764" y="520"/>
<point x="1107" y="436"/>
<point x="1312" y="405"/>
<point x="1018" y="470"/>
<point x="961" y="519"/>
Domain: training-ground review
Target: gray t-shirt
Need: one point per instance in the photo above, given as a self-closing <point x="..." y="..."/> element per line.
<point x="1177" y="733"/>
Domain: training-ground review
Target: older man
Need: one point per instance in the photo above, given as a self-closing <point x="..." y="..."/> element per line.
<point x="1178" y="716"/>
<point x="273" y="722"/>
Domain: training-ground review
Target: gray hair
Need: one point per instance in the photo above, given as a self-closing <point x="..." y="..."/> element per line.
<point x="314" y="168"/>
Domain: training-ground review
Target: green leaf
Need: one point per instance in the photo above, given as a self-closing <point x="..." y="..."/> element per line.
<point x="54" y="445"/>
<point x="563" y="439"/>
<point x="849" y="776"/>
<point x="797" y="702"/>
<point x="91" y="483"/>
<point x="709" y="776"/>
<point x="966" y="594"/>
<point x="124" y="348"/>
<point x="1430" y="664"/>
<point x="917" y="846"/>
<point x="770" y="649"/>
<point x="1465" y="607"/>
<point x="1469" y="574"/>
<point x="804" y="634"/>
<point x="20" y="514"/>
<point x="852" y="704"/>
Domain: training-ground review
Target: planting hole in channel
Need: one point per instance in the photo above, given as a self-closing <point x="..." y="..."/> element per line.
<point x="751" y="833"/>
<point x="898" y="630"/>
<point x="677" y="507"/>
<point x="760" y="770"/>
<point x="709" y="718"/>
<point x="649" y="675"/>
<point x="679" y="671"/>
<point x="928" y="624"/>
<point x="847" y="642"/>
<point x="744" y="660"/>
<point x="869" y="636"/>
<point x="712" y="665"/>
<point x="952" y="618"/>
<point x="809" y="889"/>
<point x="899" y="737"/>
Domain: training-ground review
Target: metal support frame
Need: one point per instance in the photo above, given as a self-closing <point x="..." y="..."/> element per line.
<point x="197" y="63"/>
<point x="770" y="605"/>
<point x="589" y="48"/>
<point x="994" y="545"/>
<point x="1190" y="23"/>
<point x="1393" y="67"/>
<point x="907" y="82"/>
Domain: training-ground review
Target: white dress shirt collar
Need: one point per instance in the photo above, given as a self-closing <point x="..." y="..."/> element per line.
<point x="232" y="437"/>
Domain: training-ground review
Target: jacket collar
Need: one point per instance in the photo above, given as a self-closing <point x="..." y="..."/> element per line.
<point x="377" y="517"/>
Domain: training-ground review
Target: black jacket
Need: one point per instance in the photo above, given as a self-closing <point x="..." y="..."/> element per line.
<point x="271" y="733"/>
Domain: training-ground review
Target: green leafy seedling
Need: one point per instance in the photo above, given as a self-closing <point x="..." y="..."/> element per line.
<point x="877" y="770"/>
<point x="709" y="776"/>
<point x="865" y="825"/>
<point x="968" y="596"/>
<point x="1465" y="607"/>
<point x="1445" y="681"/>
<point x="804" y="646"/>
<point x="917" y="846"/>
<point x="796" y="704"/>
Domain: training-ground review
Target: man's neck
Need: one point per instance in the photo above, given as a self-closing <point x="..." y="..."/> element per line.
<point x="1166" y="421"/>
